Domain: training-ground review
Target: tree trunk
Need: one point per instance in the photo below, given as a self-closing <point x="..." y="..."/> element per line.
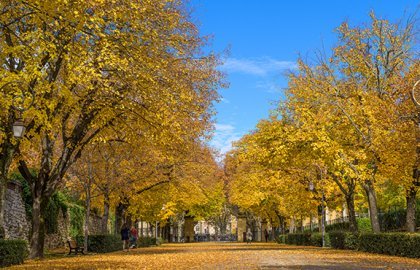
<point x="119" y="211"/>
<point x="86" y="223"/>
<point x="223" y="224"/>
<point x="348" y="192"/>
<point x="320" y="216"/>
<point x="6" y="158"/>
<point x="282" y="225"/>
<point x="141" y="229"/>
<point x="105" y="217"/>
<point x="373" y="207"/>
<point x="38" y="227"/>
<point x="411" y="210"/>
<point x="352" y="213"/>
<point x="128" y="219"/>
<point x="3" y="189"/>
<point x="151" y="229"/>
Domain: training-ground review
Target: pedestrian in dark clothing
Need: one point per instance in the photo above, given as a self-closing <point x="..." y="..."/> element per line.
<point x="125" y="232"/>
<point x="266" y="235"/>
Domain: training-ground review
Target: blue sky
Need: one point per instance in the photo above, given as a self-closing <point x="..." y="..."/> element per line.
<point x="264" y="39"/>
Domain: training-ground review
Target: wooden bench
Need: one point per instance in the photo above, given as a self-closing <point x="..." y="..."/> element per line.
<point x="73" y="246"/>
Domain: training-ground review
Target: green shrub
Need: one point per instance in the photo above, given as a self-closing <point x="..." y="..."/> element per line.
<point x="343" y="240"/>
<point x="351" y="241"/>
<point x="147" y="241"/>
<point x="343" y="226"/>
<point x="395" y="219"/>
<point x="392" y="220"/>
<point x="281" y="238"/>
<point x="102" y="243"/>
<point x="316" y="240"/>
<point x="364" y="225"/>
<point x="160" y="241"/>
<point x="12" y="252"/>
<point x="400" y="244"/>
<point x="299" y="239"/>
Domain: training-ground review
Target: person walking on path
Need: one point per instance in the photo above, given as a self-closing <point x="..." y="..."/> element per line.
<point x="125" y="236"/>
<point x="248" y="236"/>
<point x="133" y="237"/>
<point x="266" y="235"/>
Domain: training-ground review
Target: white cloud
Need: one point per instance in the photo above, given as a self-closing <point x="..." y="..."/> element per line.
<point x="224" y="127"/>
<point x="257" y="66"/>
<point x="224" y="135"/>
<point x="225" y="100"/>
<point x="269" y="87"/>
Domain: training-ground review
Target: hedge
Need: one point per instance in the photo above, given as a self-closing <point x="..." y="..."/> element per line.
<point x="364" y="225"/>
<point x="102" y="243"/>
<point x="343" y="226"/>
<point x="305" y="239"/>
<point x="160" y="241"/>
<point x="12" y="252"/>
<point x="316" y="239"/>
<point x="399" y="244"/>
<point x="299" y="239"/>
<point x="281" y="238"/>
<point x="147" y="241"/>
<point x="395" y="220"/>
<point x="343" y="240"/>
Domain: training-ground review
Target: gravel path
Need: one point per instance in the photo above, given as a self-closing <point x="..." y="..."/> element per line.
<point x="226" y="256"/>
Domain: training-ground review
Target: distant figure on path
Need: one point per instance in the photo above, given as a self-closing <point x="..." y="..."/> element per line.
<point x="266" y="235"/>
<point x="133" y="237"/>
<point x="125" y="236"/>
<point x="248" y="236"/>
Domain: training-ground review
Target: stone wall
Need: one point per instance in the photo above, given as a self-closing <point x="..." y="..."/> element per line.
<point x="16" y="225"/>
<point x="95" y="224"/>
<point x="59" y="239"/>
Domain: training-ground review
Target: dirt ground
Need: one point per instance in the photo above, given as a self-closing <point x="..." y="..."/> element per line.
<point x="225" y="256"/>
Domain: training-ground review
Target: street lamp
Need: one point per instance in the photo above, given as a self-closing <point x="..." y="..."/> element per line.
<point x="414" y="95"/>
<point x="312" y="188"/>
<point x="18" y="128"/>
<point x="20" y="103"/>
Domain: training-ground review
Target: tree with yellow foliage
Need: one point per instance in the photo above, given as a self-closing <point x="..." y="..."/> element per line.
<point x="189" y="181"/>
<point x="94" y="66"/>
<point x="269" y="174"/>
<point x="354" y="90"/>
<point x="350" y="115"/>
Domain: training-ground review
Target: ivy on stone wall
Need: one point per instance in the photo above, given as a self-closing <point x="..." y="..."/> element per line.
<point x="77" y="216"/>
<point x="59" y="202"/>
<point x="26" y="193"/>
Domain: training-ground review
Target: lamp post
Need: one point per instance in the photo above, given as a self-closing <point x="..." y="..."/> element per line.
<point x="18" y="128"/>
<point x="312" y="188"/>
<point x="20" y="103"/>
<point x="414" y="95"/>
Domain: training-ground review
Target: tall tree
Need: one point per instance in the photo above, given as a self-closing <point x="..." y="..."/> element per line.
<point x="356" y="86"/>
<point x="96" y="66"/>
